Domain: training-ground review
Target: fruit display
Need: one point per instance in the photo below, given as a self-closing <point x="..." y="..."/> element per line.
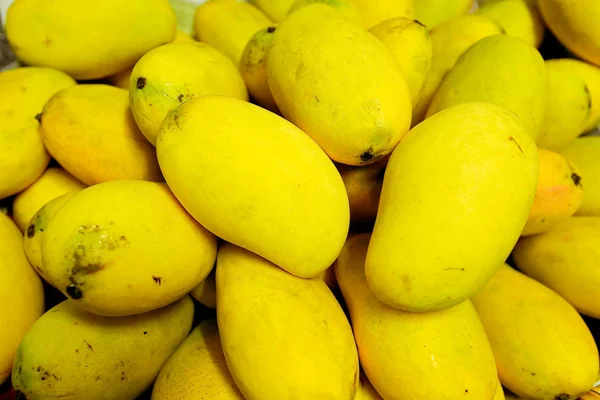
<point x="300" y="200"/>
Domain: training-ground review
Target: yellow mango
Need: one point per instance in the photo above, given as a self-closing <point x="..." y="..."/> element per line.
<point x="197" y="369"/>
<point x="575" y="24"/>
<point x="227" y="25"/>
<point x="357" y="109"/>
<point x="125" y="247"/>
<point x="543" y="349"/>
<point x="72" y="354"/>
<point x="373" y="12"/>
<point x="363" y="185"/>
<point x="408" y="41"/>
<point x="344" y="7"/>
<point x="558" y="195"/>
<point x="499" y="69"/>
<point x="566" y="260"/>
<point x="449" y="41"/>
<point x="23" y="157"/>
<point x="499" y="393"/>
<point x="365" y="390"/>
<point x="276" y="10"/>
<point x="256" y="167"/>
<point x="53" y="183"/>
<point x="91" y="40"/>
<point x="517" y="18"/>
<point x="253" y="67"/>
<point x="593" y="394"/>
<point x="434" y="12"/>
<point x="90" y="131"/>
<point x="441" y="355"/>
<point x="591" y="76"/>
<point x="35" y="232"/>
<point x="568" y="107"/>
<point x="21" y="294"/>
<point x="265" y="313"/>
<point x="171" y="74"/>
<point x="328" y="276"/>
<point x="477" y="183"/>
<point x="206" y="291"/>
<point x="584" y="152"/>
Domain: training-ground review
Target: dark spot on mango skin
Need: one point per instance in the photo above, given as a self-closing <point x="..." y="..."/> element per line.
<point x="39" y="117"/>
<point x="419" y="22"/>
<point x="271" y="29"/>
<point x="512" y="139"/>
<point x="89" y="346"/>
<point x="576" y="179"/>
<point x="562" y="396"/>
<point x="31" y="231"/>
<point x="74" y="292"/>
<point x="141" y="82"/>
<point x="157" y="279"/>
<point x="180" y="98"/>
<point x="367" y="156"/>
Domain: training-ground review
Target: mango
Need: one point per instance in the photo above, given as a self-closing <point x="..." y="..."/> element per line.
<point x="499" y="69"/>
<point x="543" y="349"/>
<point x="206" y="291"/>
<point x="90" y="131"/>
<point x="357" y="109"/>
<point x="256" y="167"/>
<point x="197" y="369"/>
<point x="264" y="312"/>
<point x="518" y="18"/>
<point x="125" y="247"/>
<point x="72" y="354"/>
<point x="583" y="152"/>
<point x="499" y="393"/>
<point x="171" y="74"/>
<point x="344" y="7"/>
<point x="434" y="12"/>
<point x="21" y="293"/>
<point x="477" y="183"/>
<point x="88" y="42"/>
<point x="558" y="195"/>
<point x="363" y="185"/>
<point x="373" y="12"/>
<point x="441" y="355"/>
<point x="276" y="10"/>
<point x="565" y="259"/>
<point x="365" y="390"/>
<point x="23" y="157"/>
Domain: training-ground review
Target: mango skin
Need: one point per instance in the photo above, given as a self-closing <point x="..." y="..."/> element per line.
<point x="480" y="149"/>
<point x="206" y="291"/>
<point x="197" y="369"/>
<point x="21" y="292"/>
<point x="257" y="167"/>
<point x="442" y="355"/>
<point x="357" y="117"/>
<point x="344" y="7"/>
<point x="276" y="10"/>
<point x="264" y="312"/>
<point x="543" y="348"/>
<point x="583" y="152"/>
<point x="565" y="259"/>
<point x="499" y="69"/>
<point x="363" y="185"/>
<point x="558" y="195"/>
<point x="72" y="354"/>
<point x="176" y="72"/>
<point x="23" y="157"/>
<point x="54" y="182"/>
<point x="91" y="42"/>
<point x="126" y="247"/>
<point x="365" y="390"/>
<point x="90" y="131"/>
<point x="434" y="12"/>
<point x="518" y="18"/>
<point x="373" y="12"/>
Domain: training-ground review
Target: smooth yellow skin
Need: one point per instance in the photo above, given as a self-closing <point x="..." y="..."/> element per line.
<point x="363" y="185"/>
<point x="575" y="24"/>
<point x="21" y="292"/>
<point x="499" y="69"/>
<point x="408" y="41"/>
<point x="558" y="195"/>
<point x="276" y="10"/>
<point x="449" y="41"/>
<point x="72" y="354"/>
<point x="543" y="348"/>
<point x="265" y="313"/>
<point x="90" y="131"/>
<point x="227" y="25"/>
<point x="177" y="72"/>
<point x="568" y="107"/>
<point x="565" y="259"/>
<point x="476" y="182"/>
<point x="357" y="109"/>
<point x="434" y="12"/>
<point x="91" y="41"/>
<point x="591" y="76"/>
<point x="253" y="67"/>
<point x="583" y="152"/>
<point x="126" y="247"/>
<point x="32" y="242"/>
<point x="499" y="392"/>
<point x="344" y="7"/>
<point x="441" y="355"/>
<point x="197" y="369"/>
<point x="206" y="291"/>
<point x="517" y="18"/>
<point x="365" y="390"/>
<point x="53" y="183"/>
<point x="23" y="157"/>
<point x="256" y="166"/>
<point x="373" y="12"/>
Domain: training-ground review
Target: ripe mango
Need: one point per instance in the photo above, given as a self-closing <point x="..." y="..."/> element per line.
<point x="373" y="12"/>
<point x="363" y="185"/>
<point x="434" y="12"/>
<point x="518" y="18"/>
<point x="584" y="152"/>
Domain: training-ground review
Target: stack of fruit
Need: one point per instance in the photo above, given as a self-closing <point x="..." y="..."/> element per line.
<point x="336" y="185"/>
